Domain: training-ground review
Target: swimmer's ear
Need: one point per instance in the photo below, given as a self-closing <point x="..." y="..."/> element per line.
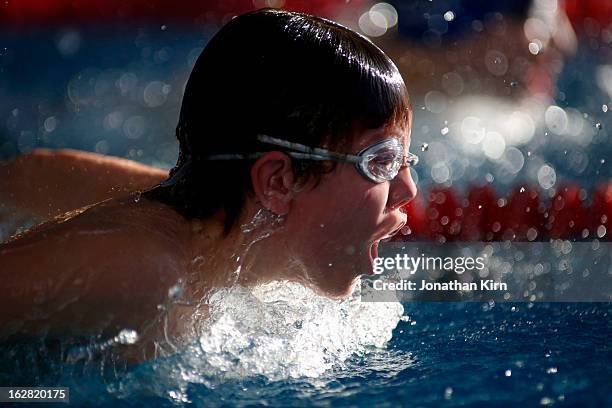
<point x="273" y="182"/>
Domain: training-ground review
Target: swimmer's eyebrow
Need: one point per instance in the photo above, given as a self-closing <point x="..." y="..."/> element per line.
<point x="400" y="137"/>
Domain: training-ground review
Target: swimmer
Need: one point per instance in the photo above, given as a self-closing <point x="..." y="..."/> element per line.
<point x="294" y="161"/>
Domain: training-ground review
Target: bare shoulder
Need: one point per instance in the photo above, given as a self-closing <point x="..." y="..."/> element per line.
<point x="104" y="266"/>
<point x="49" y="182"/>
<point x="82" y="159"/>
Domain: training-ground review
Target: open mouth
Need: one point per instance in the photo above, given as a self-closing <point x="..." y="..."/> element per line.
<point x="393" y="233"/>
<point x="374" y="246"/>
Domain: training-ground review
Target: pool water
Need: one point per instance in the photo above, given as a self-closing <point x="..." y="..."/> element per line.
<point x="440" y="354"/>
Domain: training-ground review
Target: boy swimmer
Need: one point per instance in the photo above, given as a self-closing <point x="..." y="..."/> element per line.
<point x="294" y="134"/>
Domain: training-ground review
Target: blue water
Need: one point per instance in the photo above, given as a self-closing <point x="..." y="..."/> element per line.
<point x="444" y="354"/>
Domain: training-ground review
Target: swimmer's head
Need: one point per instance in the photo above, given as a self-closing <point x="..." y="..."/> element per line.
<point x="287" y="75"/>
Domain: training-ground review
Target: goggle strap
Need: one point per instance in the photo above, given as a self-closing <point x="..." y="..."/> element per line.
<point x="301" y="151"/>
<point x="313" y="153"/>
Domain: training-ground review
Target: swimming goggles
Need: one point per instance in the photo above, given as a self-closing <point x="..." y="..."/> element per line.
<point x="378" y="163"/>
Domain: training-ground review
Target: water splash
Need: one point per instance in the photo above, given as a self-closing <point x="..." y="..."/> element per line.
<point x="124" y="337"/>
<point x="263" y="217"/>
<point x="284" y="330"/>
<point x="262" y="225"/>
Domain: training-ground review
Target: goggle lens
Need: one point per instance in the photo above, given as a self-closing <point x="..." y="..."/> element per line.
<point x="382" y="162"/>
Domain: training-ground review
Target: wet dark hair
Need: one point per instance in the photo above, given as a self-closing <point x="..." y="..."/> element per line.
<point x="288" y="75"/>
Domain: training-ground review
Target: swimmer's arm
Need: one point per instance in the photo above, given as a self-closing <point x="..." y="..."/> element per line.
<point x="46" y="183"/>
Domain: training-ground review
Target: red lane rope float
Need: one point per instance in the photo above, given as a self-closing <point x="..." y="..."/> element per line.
<point x="567" y="216"/>
<point x="600" y="210"/>
<point x="441" y="215"/>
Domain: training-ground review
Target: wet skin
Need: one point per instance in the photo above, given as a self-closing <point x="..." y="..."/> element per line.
<point x="44" y="183"/>
<point x="110" y="266"/>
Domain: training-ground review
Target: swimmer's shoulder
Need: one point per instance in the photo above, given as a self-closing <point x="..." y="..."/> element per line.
<point x="46" y="183"/>
<point x="127" y="235"/>
<point x="130" y="214"/>
<point x="116" y="258"/>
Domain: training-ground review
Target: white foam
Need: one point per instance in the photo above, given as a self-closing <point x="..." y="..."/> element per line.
<point x="283" y="330"/>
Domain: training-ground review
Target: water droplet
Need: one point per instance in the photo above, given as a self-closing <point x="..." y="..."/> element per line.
<point x="514" y="83"/>
<point x="534" y="48"/>
<point x="598" y="126"/>
<point x="127" y="336"/>
<point x="449" y="16"/>
<point x="508" y="373"/>
<point x="551" y="370"/>
<point x="532" y="234"/>
<point x="444" y="130"/>
<point x="164" y="27"/>
<point x="50" y="124"/>
<point x="546" y="401"/>
<point x="547" y="177"/>
<point x="175" y="291"/>
<point x="602" y="161"/>
<point x="102" y="147"/>
<point x="601" y="231"/>
<point x="604" y="108"/>
<point x="424" y="147"/>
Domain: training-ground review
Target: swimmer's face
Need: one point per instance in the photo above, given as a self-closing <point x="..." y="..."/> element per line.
<point x="335" y="226"/>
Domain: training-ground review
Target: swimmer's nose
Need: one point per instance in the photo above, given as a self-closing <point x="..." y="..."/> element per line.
<point x="403" y="189"/>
